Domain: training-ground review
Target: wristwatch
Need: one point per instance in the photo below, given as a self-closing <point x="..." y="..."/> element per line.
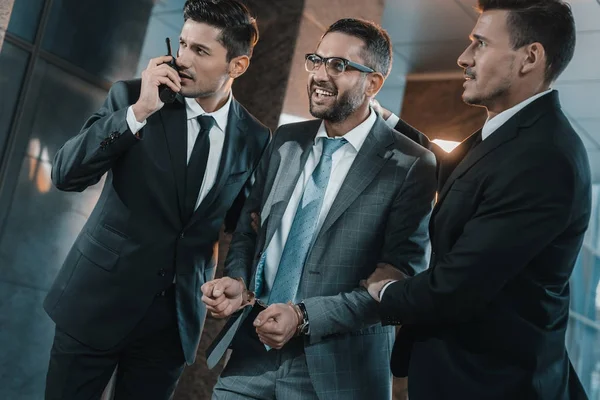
<point x="303" y="327"/>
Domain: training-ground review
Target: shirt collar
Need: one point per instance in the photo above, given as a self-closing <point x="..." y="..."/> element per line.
<point x="491" y="125"/>
<point x="194" y="110"/>
<point x="357" y="136"/>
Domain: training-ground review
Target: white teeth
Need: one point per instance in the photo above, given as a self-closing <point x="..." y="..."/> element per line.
<point x="323" y="92"/>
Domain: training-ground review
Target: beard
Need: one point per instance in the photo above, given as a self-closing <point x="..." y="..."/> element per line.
<point x="344" y="105"/>
<point x="195" y="93"/>
<point x="487" y="99"/>
<point x="202" y="88"/>
<point x="497" y="92"/>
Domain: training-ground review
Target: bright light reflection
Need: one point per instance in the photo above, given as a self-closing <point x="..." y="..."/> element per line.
<point x="446" y="145"/>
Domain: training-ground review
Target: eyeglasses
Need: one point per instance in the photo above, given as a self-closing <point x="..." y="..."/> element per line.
<point x="334" y="66"/>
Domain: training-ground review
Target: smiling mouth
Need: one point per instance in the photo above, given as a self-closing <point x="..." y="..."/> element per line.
<point x="322" y="93"/>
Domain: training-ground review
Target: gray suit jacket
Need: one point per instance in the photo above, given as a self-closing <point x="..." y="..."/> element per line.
<point x="380" y="214"/>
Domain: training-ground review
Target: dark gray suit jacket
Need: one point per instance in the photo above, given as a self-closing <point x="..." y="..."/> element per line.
<point x="136" y="239"/>
<point x="379" y="215"/>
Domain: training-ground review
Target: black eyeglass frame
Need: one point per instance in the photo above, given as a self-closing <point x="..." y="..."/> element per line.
<point x="346" y="63"/>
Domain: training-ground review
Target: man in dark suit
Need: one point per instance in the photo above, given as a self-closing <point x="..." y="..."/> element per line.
<point x="336" y="196"/>
<point x="487" y="320"/>
<point x="128" y="294"/>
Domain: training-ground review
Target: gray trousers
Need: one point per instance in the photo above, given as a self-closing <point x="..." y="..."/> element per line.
<point x="252" y="372"/>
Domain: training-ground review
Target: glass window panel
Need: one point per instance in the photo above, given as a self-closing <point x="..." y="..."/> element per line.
<point x="105" y="41"/>
<point x="25" y="18"/>
<point x="41" y="225"/>
<point x="44" y="222"/>
<point x="583" y="333"/>
<point x="13" y="63"/>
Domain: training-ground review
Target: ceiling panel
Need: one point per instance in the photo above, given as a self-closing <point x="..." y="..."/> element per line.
<point x="431" y="57"/>
<point x="410" y="21"/>
<point x="580" y="99"/>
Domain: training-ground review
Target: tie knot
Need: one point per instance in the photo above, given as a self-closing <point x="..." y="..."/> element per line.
<point x="330" y="146"/>
<point x="206" y="122"/>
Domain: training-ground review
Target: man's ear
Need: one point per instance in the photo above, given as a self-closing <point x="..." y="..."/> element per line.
<point x="535" y="57"/>
<point x="375" y="81"/>
<point x="238" y="65"/>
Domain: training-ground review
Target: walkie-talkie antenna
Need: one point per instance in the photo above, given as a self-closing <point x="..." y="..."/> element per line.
<point x="168" y="46"/>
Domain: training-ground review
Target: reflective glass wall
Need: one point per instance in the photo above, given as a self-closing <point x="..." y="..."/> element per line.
<point x="57" y="62"/>
<point x="583" y="335"/>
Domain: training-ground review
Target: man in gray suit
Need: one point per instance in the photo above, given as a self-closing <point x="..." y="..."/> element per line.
<point x="337" y="197"/>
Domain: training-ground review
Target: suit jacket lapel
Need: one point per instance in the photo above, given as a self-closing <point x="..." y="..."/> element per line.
<point x="369" y="161"/>
<point x="447" y="162"/>
<point x="505" y="133"/>
<point x="508" y="131"/>
<point x="174" y="121"/>
<point x="233" y="145"/>
<point x="293" y="159"/>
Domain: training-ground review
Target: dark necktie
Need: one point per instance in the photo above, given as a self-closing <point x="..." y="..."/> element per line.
<point x="197" y="165"/>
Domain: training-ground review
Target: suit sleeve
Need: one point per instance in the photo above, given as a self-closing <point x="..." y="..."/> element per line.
<point x="239" y="261"/>
<point x="233" y="214"/>
<point x="406" y="242"/>
<point x="524" y="207"/>
<point x="420" y="138"/>
<point x="105" y="136"/>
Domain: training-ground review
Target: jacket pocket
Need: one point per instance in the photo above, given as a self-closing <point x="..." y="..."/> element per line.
<point x="96" y="252"/>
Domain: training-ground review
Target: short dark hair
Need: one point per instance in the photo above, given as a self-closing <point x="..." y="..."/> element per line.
<point x="549" y="22"/>
<point x="239" y="32"/>
<point x="377" y="53"/>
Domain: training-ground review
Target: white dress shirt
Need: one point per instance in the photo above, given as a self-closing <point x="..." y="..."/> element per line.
<point x="216" y="138"/>
<point x="490" y="126"/>
<point x="341" y="162"/>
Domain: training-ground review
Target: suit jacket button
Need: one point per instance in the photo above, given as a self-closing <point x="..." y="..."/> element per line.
<point x="162" y="272"/>
<point x="182" y="235"/>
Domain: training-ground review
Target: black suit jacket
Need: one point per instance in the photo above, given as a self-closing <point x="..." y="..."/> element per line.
<point x="135" y="241"/>
<point x="487" y="320"/>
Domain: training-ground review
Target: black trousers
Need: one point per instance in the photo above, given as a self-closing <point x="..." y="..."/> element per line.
<point x="149" y="361"/>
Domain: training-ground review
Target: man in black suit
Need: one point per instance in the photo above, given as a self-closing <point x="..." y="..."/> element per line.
<point x="487" y="319"/>
<point x="128" y="294"/>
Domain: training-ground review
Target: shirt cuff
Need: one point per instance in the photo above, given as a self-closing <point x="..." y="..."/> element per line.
<point x="134" y="125"/>
<point x="392" y="120"/>
<point x="382" y="291"/>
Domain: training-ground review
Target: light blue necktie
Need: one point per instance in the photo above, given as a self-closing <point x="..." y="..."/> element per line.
<point x="302" y="232"/>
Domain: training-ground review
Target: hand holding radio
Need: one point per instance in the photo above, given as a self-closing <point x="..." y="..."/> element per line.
<point x="160" y="85"/>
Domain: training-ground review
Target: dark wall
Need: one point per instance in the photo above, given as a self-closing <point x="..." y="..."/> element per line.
<point x="436" y="109"/>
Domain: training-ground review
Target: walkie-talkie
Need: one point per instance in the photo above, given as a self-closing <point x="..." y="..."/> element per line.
<point x="165" y="93"/>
